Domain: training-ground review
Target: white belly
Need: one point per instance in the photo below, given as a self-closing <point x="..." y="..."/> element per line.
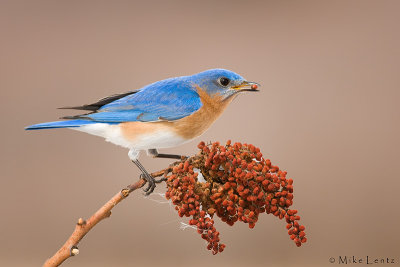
<point x="162" y="138"/>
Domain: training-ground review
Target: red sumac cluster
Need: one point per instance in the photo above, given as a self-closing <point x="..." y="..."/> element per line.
<point x="235" y="183"/>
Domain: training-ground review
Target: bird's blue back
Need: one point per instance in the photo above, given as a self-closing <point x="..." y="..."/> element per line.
<point x="169" y="99"/>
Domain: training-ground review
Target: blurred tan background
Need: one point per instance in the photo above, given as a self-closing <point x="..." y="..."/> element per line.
<point x="328" y="114"/>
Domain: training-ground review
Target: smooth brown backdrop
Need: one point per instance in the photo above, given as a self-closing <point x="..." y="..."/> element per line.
<point x="328" y="113"/>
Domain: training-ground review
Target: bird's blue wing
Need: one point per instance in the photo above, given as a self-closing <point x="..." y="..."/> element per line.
<point x="169" y="100"/>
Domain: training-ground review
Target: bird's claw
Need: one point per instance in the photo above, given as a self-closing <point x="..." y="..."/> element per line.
<point x="151" y="183"/>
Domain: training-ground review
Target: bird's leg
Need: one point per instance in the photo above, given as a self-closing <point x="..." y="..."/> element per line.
<point x="153" y="152"/>
<point x="150" y="179"/>
<point x="134" y="155"/>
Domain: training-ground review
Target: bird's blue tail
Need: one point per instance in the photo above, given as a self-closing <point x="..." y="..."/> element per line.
<point x="59" y="124"/>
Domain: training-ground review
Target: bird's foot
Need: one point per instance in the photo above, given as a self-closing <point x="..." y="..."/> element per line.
<point x="153" y="152"/>
<point x="151" y="182"/>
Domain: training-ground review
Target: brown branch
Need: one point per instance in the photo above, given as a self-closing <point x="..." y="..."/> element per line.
<point x="83" y="227"/>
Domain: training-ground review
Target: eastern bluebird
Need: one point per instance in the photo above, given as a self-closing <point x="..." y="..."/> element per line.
<point x="163" y="114"/>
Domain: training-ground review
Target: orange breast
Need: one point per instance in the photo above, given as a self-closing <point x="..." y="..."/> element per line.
<point x="198" y="122"/>
<point x="188" y="127"/>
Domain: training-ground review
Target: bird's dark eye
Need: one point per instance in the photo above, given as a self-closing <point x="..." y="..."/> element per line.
<point x="224" y="81"/>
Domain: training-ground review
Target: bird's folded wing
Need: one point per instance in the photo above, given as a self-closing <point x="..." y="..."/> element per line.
<point x="170" y="100"/>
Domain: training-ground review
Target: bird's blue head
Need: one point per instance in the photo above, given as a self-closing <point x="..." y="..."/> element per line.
<point x="225" y="83"/>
